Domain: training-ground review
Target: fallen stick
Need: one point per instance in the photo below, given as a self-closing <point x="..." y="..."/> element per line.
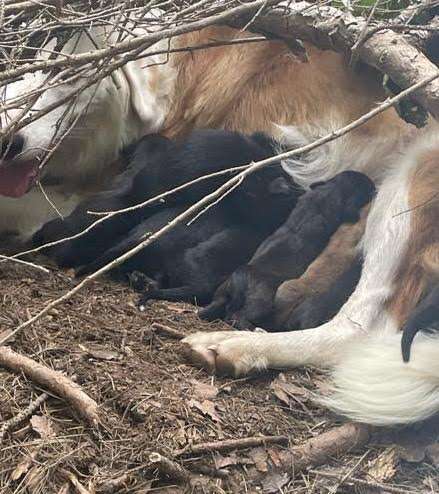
<point x="318" y="450"/>
<point x="170" y="469"/>
<point x="23" y="415"/>
<point x="366" y="483"/>
<point x="54" y="381"/>
<point x="231" y="444"/>
<point x="157" y="327"/>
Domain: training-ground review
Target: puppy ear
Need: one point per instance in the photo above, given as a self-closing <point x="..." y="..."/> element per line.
<point x="279" y="186"/>
<point x="316" y="184"/>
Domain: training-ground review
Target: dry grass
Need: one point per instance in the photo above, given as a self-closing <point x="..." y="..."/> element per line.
<point x="150" y="401"/>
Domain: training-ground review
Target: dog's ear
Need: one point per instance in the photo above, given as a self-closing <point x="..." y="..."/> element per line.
<point x="316" y="184"/>
<point x="142" y="96"/>
<point x="352" y="209"/>
<point x="279" y="186"/>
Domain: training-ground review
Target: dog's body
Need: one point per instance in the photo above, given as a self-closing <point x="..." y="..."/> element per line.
<point x="249" y="88"/>
<point x="242" y="87"/>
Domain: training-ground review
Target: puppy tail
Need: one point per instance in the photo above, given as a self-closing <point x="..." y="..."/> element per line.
<point x="372" y="384"/>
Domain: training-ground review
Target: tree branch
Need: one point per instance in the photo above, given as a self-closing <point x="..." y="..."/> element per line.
<point x="330" y="28"/>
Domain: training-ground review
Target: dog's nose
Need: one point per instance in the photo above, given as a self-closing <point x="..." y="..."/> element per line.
<point x="12" y="147"/>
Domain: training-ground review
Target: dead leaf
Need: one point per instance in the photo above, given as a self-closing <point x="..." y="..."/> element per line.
<point x="23" y="467"/>
<point x="43" y="426"/>
<point x="206" y="408"/>
<point x="273" y="483"/>
<point x="284" y="390"/>
<point x="225" y="461"/>
<point x="275" y="457"/>
<point x="33" y="478"/>
<point x="100" y="354"/>
<point x="412" y="453"/>
<point x="204" y="391"/>
<point x="259" y="457"/>
<point x="383" y="467"/>
<point x="432" y="452"/>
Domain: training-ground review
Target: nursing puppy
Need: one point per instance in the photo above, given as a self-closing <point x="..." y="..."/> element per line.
<point x="119" y="195"/>
<point x="246" y="298"/>
<point x="158" y="165"/>
<point x="188" y="262"/>
<point x="327" y="283"/>
<point x="321" y="307"/>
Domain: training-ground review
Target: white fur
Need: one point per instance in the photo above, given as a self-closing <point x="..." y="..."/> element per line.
<point x="372" y="384"/>
<point x="357" y="150"/>
<point x="115" y="112"/>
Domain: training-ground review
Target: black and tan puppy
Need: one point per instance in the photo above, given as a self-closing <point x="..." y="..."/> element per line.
<point x="246" y="298"/>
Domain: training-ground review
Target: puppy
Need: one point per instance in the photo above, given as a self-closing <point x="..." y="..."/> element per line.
<point x="324" y="287"/>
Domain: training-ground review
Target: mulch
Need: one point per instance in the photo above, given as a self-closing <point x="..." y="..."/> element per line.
<point x="152" y="401"/>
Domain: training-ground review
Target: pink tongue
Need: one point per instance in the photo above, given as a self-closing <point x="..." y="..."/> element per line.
<point x="16" y="180"/>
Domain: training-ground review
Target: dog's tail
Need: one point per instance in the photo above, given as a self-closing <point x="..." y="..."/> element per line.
<point x="372" y="383"/>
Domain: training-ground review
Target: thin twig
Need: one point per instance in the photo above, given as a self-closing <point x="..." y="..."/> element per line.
<point x="156" y="327"/>
<point x="231" y="444"/>
<point x="366" y="483"/>
<point x="25" y="263"/>
<point x="23" y="415"/>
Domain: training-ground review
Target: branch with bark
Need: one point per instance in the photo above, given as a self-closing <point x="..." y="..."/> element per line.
<point x="330" y="28"/>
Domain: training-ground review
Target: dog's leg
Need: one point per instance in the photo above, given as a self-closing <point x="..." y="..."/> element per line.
<point x="244" y="353"/>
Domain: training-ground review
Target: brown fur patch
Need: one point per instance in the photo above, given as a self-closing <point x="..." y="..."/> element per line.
<point x="419" y="267"/>
<point x="248" y="87"/>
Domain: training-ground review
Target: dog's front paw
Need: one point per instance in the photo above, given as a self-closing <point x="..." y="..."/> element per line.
<point x="225" y="352"/>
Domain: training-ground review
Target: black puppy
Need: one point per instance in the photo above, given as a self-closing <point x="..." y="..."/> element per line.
<point x="189" y="261"/>
<point x="119" y="195"/>
<point x="246" y="298"/>
<point x="321" y="308"/>
<point x="424" y="318"/>
<point x="158" y="165"/>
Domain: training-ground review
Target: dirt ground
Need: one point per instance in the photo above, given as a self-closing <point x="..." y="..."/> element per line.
<point x="151" y="400"/>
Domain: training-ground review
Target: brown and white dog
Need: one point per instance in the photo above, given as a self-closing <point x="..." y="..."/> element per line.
<point x="264" y="87"/>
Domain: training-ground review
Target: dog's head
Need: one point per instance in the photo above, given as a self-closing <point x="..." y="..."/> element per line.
<point x="86" y="126"/>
